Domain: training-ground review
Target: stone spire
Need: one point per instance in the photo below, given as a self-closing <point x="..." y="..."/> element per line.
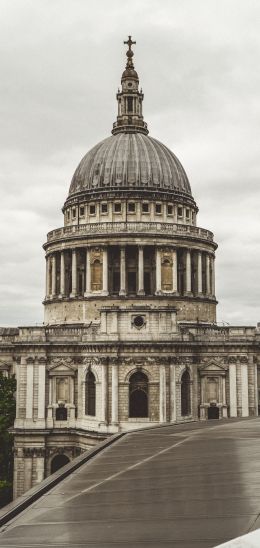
<point x="130" y="118"/>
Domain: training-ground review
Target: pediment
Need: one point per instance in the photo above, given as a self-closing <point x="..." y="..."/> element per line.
<point x="212" y="366"/>
<point x="65" y="365"/>
<point x="5" y="366"/>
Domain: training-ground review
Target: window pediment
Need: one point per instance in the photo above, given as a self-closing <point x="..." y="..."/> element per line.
<point x="212" y="368"/>
<point x="62" y="367"/>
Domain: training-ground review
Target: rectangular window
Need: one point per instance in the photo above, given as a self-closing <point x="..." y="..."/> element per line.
<point x="117" y="207"/>
<point x="81" y="211"/>
<point x="130" y="104"/>
<point x="92" y="209"/>
<point x="158" y="209"/>
<point x="68" y="215"/>
<point x="104" y="208"/>
<point x="180" y="212"/>
<point x="169" y="209"/>
<point x="131" y="207"/>
<point x="187" y="214"/>
<point x="145" y="207"/>
<point x="73" y="213"/>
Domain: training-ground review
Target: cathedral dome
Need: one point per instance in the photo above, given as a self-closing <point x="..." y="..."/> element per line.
<point x="130" y="160"/>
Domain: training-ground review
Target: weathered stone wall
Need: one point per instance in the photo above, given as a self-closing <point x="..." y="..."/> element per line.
<point x="84" y="311"/>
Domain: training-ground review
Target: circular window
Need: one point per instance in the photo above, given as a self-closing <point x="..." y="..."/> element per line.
<point x="130" y="84"/>
<point x="138" y="321"/>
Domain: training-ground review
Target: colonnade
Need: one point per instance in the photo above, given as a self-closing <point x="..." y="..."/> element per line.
<point x="189" y="272"/>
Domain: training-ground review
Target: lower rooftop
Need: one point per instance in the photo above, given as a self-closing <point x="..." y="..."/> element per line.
<point x="186" y="486"/>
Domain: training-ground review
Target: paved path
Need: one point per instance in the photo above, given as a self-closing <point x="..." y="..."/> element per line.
<point x="190" y="486"/>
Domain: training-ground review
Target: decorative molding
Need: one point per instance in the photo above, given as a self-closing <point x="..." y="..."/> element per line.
<point x="29" y="452"/>
<point x="66" y="362"/>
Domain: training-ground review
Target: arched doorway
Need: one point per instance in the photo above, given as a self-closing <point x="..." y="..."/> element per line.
<point x="185" y="394"/>
<point x="90" y="394"/>
<point x="58" y="461"/>
<point x="138" y="395"/>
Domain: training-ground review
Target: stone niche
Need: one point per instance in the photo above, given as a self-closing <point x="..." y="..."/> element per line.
<point x="213" y="391"/>
<point x="139" y="322"/>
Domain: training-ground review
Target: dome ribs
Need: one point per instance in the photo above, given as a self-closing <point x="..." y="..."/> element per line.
<point x="130" y="160"/>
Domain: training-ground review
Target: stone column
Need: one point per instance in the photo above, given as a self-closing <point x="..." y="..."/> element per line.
<point x="122" y="272"/>
<point x="114" y="393"/>
<point x="188" y="272"/>
<point x="53" y="283"/>
<point x="172" y="393"/>
<point x="224" y="390"/>
<point x="255" y="389"/>
<point x="72" y="398"/>
<point x="39" y="468"/>
<point x="213" y="291"/>
<point x="104" y="387"/>
<point x="140" y="270"/>
<point x="244" y="389"/>
<point x="88" y="273"/>
<point x="158" y="272"/>
<point x="50" y="403"/>
<point x="199" y="273"/>
<point x="17" y="375"/>
<point x="105" y="272"/>
<point x="174" y="271"/>
<point x="233" y="390"/>
<point x="207" y="274"/>
<point x="29" y="391"/>
<point x="28" y="471"/>
<point x="162" y="393"/>
<point x="62" y="274"/>
<point x="41" y="391"/>
<point x="48" y="289"/>
<point x="74" y="273"/>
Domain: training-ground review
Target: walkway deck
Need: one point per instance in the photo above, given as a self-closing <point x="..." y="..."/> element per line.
<point x="190" y="486"/>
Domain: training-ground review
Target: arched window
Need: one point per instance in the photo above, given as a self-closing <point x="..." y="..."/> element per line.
<point x="96" y="275"/>
<point x="185" y="394"/>
<point x="58" y="461"/>
<point x="167" y="275"/>
<point x="138" y="395"/>
<point x="90" y="394"/>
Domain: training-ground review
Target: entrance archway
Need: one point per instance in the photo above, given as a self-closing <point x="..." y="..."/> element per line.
<point x="138" y="395"/>
<point x="58" y="461"/>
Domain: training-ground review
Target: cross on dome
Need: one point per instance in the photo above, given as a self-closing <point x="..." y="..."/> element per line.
<point x="129" y="42"/>
<point x="129" y="52"/>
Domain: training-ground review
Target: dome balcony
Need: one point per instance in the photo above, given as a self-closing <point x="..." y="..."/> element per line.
<point x="153" y="229"/>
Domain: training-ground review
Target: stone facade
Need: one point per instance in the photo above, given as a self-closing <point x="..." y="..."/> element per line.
<point x="130" y="337"/>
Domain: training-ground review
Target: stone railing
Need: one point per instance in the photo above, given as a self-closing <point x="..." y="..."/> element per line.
<point x="172" y="229"/>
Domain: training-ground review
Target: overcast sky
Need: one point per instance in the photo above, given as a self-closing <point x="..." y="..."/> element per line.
<point x="61" y="63"/>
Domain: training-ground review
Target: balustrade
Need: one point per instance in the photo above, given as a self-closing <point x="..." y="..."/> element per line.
<point x="131" y="227"/>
